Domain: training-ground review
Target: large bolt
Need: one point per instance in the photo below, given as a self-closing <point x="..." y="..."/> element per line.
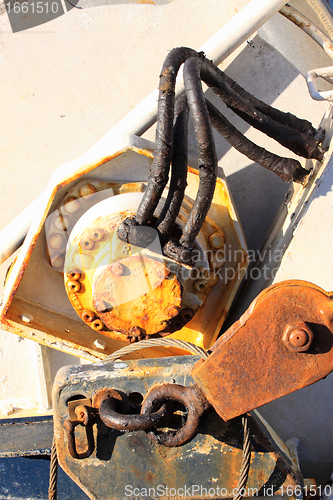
<point x="100" y="344"/>
<point x="298" y="337"/>
<point x="97" y="234"/>
<point x="74" y="286"/>
<point x="57" y="261"/>
<point x="186" y="314"/>
<point x="74" y="275"/>
<point x="97" y="325"/>
<point x="103" y="306"/>
<point x="117" y="268"/>
<point x="135" y="331"/>
<point x="200" y="286"/>
<point x="56" y="241"/>
<point x="26" y="317"/>
<point x="61" y="222"/>
<point x="217" y="240"/>
<point x="173" y="311"/>
<point x="87" y="243"/>
<point x="87" y="190"/>
<point x="162" y="272"/>
<point x="71" y="205"/>
<point x="87" y="316"/>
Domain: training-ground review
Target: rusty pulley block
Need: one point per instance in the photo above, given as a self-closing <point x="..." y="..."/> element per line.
<point x="282" y="343"/>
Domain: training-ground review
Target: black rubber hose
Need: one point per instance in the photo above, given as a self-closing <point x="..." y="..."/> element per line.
<point x="159" y="171"/>
<point x="206" y="151"/>
<point x="130" y="229"/>
<point x="256" y="113"/>
<point x="288" y="137"/>
<point x="287" y="169"/>
<point x="168" y="215"/>
<point x="287" y="119"/>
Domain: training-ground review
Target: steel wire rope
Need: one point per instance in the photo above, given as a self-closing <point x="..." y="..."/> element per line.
<point x="52" y="492"/>
<point x="182" y="344"/>
<point x="245" y="469"/>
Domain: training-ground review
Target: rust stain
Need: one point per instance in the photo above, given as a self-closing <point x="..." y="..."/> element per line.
<point x="150" y="310"/>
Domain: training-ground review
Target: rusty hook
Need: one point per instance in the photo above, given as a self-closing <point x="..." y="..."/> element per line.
<point x="70" y="432"/>
<point x="107" y="402"/>
<point x="192" y="399"/>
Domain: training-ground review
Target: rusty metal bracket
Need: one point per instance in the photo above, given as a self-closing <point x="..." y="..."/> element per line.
<point x="212" y="458"/>
<point x="282" y="343"/>
<point x="80" y="415"/>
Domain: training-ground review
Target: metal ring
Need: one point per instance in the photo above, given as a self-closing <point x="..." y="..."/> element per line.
<point x="183" y="395"/>
<point x="70" y="431"/>
<point x="106" y="402"/>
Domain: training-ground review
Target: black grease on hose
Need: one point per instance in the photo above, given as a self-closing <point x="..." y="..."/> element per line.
<point x="171" y="145"/>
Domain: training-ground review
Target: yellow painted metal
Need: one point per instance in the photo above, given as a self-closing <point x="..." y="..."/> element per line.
<point x="35" y="289"/>
<point x="128" y="295"/>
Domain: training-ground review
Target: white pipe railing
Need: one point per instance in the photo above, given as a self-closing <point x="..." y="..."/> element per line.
<point x="143" y="116"/>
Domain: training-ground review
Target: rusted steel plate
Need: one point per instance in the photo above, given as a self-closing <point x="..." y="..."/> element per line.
<point x="282" y="343"/>
<point x="130" y="465"/>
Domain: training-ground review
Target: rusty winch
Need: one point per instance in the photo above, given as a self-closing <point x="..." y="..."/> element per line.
<point x="141" y="262"/>
<point x="126" y="290"/>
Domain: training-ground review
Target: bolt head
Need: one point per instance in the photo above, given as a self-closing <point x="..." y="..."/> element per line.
<point x="71" y="205"/>
<point x="100" y="344"/>
<point x="117" y="268"/>
<point x="57" y="261"/>
<point x="56" y="241"/>
<point x="61" y="222"/>
<point x="173" y="311"/>
<point x="87" y="190"/>
<point x="97" y="234"/>
<point x="135" y="331"/>
<point x="162" y="272"/>
<point x="26" y="318"/>
<point x="200" y="286"/>
<point x="217" y="240"/>
<point x="298" y="337"/>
